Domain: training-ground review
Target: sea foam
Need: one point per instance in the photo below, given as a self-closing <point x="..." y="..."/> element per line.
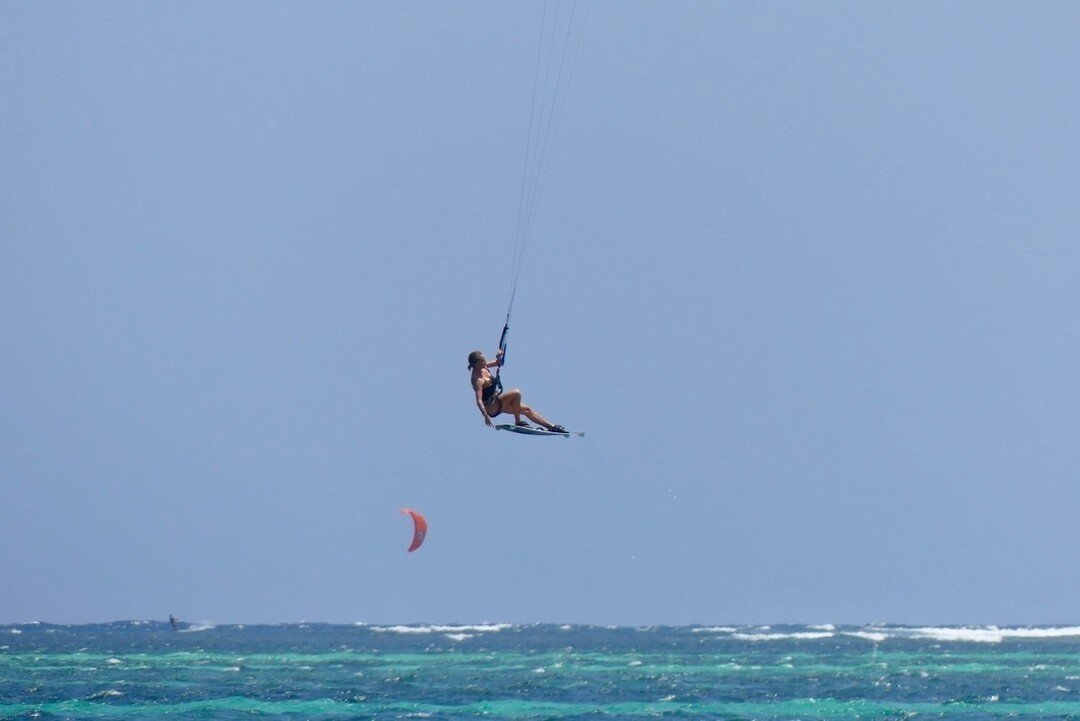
<point x="795" y="635"/>
<point x="481" y="628"/>
<point x="196" y="627"/>
<point x="986" y="634"/>
<point x="459" y="636"/>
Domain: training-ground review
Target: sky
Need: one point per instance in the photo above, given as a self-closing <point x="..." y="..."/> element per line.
<point x="805" y="273"/>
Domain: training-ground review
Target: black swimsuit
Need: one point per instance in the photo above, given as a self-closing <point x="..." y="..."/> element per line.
<point x="491" y="391"/>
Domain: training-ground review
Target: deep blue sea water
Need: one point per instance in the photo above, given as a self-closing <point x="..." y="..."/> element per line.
<point x="142" y="669"/>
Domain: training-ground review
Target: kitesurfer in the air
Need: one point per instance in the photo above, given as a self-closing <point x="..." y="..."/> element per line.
<point x="492" y="402"/>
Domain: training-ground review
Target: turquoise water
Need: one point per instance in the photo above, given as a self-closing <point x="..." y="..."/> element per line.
<point x="501" y="671"/>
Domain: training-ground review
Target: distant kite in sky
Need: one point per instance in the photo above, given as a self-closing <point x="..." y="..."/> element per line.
<point x="419" y="528"/>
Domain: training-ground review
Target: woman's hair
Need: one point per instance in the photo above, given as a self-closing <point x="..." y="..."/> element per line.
<point x="474" y="358"/>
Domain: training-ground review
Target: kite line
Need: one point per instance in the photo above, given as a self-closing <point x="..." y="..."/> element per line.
<point x="551" y="81"/>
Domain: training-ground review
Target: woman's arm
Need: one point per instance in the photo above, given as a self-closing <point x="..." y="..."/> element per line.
<point x="480" y="403"/>
<point x="497" y="362"/>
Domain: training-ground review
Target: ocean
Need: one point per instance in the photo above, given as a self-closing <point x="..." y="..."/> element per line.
<point x="145" y="669"/>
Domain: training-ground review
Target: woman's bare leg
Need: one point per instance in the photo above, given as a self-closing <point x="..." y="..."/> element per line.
<point x="511" y="401"/>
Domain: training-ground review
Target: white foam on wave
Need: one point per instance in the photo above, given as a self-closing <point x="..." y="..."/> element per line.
<point x="876" y="636"/>
<point x="823" y="627"/>
<point x="796" y="635"/>
<point x="16" y="631"/>
<point x="196" y="627"/>
<point x="107" y="693"/>
<point x="715" y="629"/>
<point x="960" y="634"/>
<point x="481" y="628"/>
<point x="459" y="636"/>
<point x="986" y="634"/>
<point x="114" y="662"/>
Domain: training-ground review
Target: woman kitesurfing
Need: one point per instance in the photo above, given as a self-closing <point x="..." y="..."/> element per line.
<point x="554" y="69"/>
<point x="491" y="400"/>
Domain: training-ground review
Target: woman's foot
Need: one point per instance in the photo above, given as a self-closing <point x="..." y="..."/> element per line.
<point x="557" y="429"/>
<point x="522" y="424"/>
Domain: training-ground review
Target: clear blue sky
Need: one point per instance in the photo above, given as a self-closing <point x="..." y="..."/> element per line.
<point x="806" y="273"/>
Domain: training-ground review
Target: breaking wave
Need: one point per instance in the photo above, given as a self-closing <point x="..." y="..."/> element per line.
<point x="879" y="634"/>
<point x="482" y="628"/>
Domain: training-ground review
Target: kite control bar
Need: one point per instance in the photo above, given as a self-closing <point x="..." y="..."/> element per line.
<point x="502" y="342"/>
<point x="502" y="358"/>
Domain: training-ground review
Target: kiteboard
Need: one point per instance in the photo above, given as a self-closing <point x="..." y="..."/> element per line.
<point x="530" y="431"/>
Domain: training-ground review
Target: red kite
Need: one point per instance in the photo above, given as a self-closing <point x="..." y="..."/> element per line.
<point x="419" y="528"/>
